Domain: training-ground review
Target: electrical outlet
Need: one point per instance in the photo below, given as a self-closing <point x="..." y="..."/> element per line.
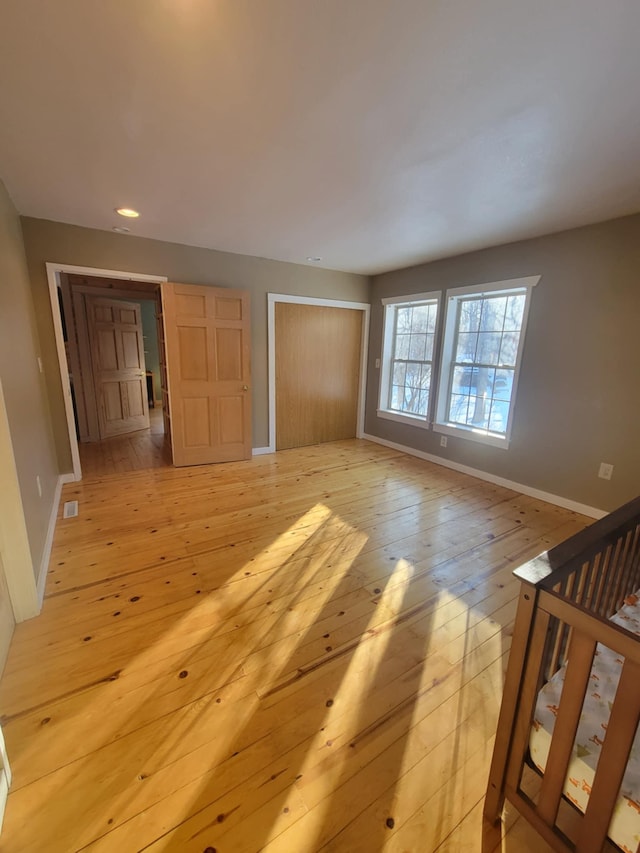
<point x="605" y="471"/>
<point x="443" y="441"/>
<point x="40" y="367"/>
<point x="39" y="485"/>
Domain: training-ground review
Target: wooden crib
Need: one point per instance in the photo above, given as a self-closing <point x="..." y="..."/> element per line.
<point x="566" y="600"/>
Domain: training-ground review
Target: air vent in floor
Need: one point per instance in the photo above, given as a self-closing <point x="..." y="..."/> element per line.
<point x="70" y="509"/>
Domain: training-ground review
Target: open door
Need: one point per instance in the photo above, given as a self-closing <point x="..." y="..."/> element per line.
<point x="117" y="354"/>
<point x="207" y="341"/>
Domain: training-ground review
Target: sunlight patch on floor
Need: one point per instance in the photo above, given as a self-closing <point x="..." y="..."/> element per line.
<point x="459" y="724"/>
<point x="271" y="640"/>
<point x="324" y="758"/>
<point x="268" y="645"/>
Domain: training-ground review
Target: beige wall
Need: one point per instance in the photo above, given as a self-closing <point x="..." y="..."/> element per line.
<point x="68" y="244"/>
<point x="578" y="396"/>
<point x="577" y="399"/>
<point x="24" y="387"/>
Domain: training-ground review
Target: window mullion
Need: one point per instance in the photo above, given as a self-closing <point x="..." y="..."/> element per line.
<point x="454" y="352"/>
<point x="394" y="342"/>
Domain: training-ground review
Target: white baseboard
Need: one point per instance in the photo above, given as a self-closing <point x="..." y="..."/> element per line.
<point x="260" y="451"/>
<point x="46" y="554"/>
<point x="68" y="478"/>
<point x="557" y="500"/>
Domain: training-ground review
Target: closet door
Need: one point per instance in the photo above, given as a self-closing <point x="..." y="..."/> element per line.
<point x="317" y="373"/>
<point x="207" y="339"/>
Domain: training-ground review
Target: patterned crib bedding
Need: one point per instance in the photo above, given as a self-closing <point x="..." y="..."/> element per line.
<point x="624" y="829"/>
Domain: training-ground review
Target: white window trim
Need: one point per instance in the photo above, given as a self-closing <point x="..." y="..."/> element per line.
<point x="412" y="297"/>
<point x="389" y="303"/>
<point x="471" y="433"/>
<point x="403" y="418"/>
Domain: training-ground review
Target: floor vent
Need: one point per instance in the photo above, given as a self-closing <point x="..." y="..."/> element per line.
<point x="70" y="509"/>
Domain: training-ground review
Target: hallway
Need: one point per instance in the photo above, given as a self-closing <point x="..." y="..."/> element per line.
<point x="135" y="451"/>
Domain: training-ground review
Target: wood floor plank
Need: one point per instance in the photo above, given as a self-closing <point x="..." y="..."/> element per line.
<point x="275" y="654"/>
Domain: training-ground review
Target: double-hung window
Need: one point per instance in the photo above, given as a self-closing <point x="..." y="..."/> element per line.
<point x="473" y="392"/>
<point x="481" y="354"/>
<point x="410" y="325"/>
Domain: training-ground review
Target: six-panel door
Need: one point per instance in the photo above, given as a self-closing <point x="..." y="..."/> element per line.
<point x="207" y="347"/>
<point x="117" y="353"/>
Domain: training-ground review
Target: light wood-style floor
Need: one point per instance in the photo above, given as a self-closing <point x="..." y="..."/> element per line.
<point x="134" y="451"/>
<point x="301" y="652"/>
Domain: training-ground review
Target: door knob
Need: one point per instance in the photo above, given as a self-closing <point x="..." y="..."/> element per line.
<point x="245" y="387"/>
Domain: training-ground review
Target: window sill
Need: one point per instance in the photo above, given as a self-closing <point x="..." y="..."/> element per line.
<point x="402" y="418"/>
<point x="471" y="434"/>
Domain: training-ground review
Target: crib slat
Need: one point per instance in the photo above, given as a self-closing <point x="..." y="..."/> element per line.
<point x="560" y="633"/>
<point x="615" y="577"/>
<point x="582" y="583"/>
<point x="511" y="694"/>
<point x="618" y="596"/>
<point x="603" y="559"/>
<point x="612" y="764"/>
<point x="630" y="560"/>
<point x="576" y="681"/>
<point x="528" y="692"/>
<point x="608" y="573"/>
<point x="593" y="579"/>
<point x="634" y="560"/>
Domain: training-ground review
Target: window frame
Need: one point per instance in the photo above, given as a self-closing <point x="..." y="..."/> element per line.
<point x="447" y="352"/>
<point x="390" y="304"/>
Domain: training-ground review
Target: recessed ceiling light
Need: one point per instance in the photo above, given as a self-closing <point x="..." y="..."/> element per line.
<point x="314" y="260"/>
<point x="128" y="212"/>
<point x="120" y="229"/>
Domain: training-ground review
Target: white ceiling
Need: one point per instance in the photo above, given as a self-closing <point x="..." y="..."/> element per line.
<point x="372" y="133"/>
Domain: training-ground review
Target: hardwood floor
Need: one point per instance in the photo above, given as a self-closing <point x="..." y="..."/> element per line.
<point x="134" y="451"/>
<point x="301" y="652"/>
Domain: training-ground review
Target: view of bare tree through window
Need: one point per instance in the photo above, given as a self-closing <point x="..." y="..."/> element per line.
<point x="412" y="357"/>
<point x="485" y="353"/>
<point x="455" y="373"/>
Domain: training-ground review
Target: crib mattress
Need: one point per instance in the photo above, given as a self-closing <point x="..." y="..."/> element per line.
<point x="624" y="829"/>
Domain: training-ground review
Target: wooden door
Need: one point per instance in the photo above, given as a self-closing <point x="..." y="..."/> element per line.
<point x="117" y="355"/>
<point x="318" y="351"/>
<point x="207" y="339"/>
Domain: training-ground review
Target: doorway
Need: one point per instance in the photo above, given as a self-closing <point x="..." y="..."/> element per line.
<point x="70" y="289"/>
<point x="112" y="347"/>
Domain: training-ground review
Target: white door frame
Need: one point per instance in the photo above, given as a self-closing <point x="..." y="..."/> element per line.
<point x="53" y="277"/>
<point x="271" y="337"/>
